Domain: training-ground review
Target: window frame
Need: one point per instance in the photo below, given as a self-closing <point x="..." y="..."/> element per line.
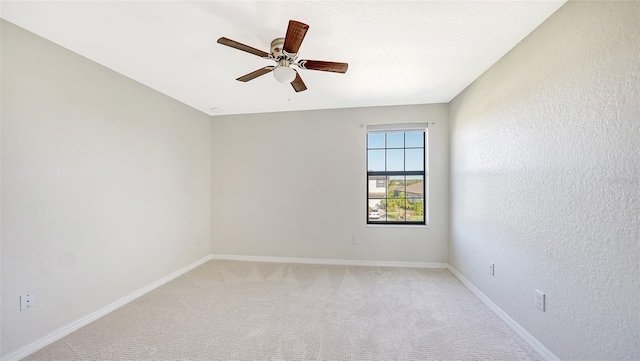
<point x="405" y="173"/>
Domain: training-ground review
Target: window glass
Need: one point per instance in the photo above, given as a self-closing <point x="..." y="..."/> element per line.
<point x="414" y="139"/>
<point x="395" y="159"/>
<point x="395" y="140"/>
<point x="375" y="140"/>
<point x="377" y="187"/>
<point x="414" y="159"/>
<point x="376" y="160"/>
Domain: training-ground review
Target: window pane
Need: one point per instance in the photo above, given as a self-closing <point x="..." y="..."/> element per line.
<point x="395" y="209"/>
<point x="377" y="187"/>
<point x="396" y="186"/>
<point x="395" y="198"/>
<point x="376" y="203"/>
<point x="402" y="210"/>
<point x="375" y="140"/>
<point x="414" y="139"/>
<point x="395" y="159"/>
<point x="376" y="210"/>
<point x="414" y="188"/>
<point x="395" y="140"/>
<point x="415" y="198"/>
<point x="415" y="210"/>
<point x="414" y="159"/>
<point x="375" y="160"/>
<point x="383" y="210"/>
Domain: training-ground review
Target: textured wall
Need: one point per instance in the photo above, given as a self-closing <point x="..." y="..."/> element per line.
<point x="105" y="185"/>
<point x="294" y="185"/>
<point x="545" y="169"/>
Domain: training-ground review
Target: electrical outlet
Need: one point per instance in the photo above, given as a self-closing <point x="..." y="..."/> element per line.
<point x="354" y="240"/>
<point x="540" y="300"/>
<point x="27" y="300"/>
<point x="491" y="268"/>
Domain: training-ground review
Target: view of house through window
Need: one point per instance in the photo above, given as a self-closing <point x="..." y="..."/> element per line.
<point x="396" y="177"/>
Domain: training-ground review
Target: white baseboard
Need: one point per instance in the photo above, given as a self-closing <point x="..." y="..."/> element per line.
<point x="66" y="330"/>
<point x="326" y="261"/>
<point x="524" y="334"/>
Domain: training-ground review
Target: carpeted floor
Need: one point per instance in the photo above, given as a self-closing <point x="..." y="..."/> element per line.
<point x="225" y="310"/>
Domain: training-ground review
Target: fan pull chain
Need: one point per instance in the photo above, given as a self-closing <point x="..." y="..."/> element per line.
<point x="289" y="95"/>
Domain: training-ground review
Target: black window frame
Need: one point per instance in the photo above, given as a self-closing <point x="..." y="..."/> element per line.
<point x="405" y="173"/>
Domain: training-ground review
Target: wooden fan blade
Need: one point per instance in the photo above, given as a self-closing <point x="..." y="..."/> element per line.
<point x="255" y="74"/>
<point x="298" y="84"/>
<point x="324" y="66"/>
<point x="236" y="45"/>
<point x="295" y="34"/>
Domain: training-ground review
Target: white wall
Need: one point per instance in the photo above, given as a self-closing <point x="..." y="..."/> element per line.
<point x="105" y="185"/>
<point x="545" y="171"/>
<point x="0" y="183"/>
<point x="294" y="185"/>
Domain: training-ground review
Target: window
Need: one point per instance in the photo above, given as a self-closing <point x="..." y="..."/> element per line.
<point x="396" y="177"/>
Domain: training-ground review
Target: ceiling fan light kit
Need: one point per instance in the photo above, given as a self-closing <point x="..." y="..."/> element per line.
<point x="284" y="74"/>
<point x="284" y="51"/>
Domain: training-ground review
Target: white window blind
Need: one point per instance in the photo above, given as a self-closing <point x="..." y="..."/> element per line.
<point x="397" y="127"/>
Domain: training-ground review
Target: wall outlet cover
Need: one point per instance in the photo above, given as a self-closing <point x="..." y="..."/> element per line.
<point x="27" y="300"/>
<point x="540" y="300"/>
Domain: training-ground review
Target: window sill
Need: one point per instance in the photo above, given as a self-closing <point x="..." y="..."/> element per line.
<point x="397" y="225"/>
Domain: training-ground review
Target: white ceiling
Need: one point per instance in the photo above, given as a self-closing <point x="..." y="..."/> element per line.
<point x="399" y="52"/>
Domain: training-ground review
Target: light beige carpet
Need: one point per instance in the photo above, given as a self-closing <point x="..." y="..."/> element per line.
<point x="226" y="310"/>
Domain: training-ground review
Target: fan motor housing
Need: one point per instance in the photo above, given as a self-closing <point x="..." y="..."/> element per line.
<point x="276" y="47"/>
<point x="277" y="52"/>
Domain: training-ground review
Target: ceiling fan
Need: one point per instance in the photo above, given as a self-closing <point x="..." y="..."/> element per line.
<point x="284" y="51"/>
